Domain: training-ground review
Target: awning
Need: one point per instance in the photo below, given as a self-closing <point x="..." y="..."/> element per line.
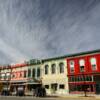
<point x="82" y="83"/>
<point x="14" y="81"/>
<point x="30" y="83"/>
<point x="17" y="84"/>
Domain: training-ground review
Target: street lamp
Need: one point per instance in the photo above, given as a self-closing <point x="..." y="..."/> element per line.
<point x="84" y="85"/>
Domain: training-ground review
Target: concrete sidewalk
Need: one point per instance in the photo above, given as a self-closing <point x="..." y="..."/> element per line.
<point x="77" y="96"/>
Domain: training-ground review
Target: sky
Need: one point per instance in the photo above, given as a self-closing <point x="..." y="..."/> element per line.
<point x="38" y="29"/>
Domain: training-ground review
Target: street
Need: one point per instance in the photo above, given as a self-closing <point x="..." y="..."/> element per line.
<point x="46" y="98"/>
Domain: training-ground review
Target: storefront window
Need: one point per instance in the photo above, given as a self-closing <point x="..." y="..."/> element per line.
<point x="61" y="86"/>
<point x="47" y="86"/>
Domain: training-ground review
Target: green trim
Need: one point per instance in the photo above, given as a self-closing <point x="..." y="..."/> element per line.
<point x="34" y="62"/>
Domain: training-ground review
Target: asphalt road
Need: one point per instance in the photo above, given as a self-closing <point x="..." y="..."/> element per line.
<point x="46" y="98"/>
<point x="26" y="98"/>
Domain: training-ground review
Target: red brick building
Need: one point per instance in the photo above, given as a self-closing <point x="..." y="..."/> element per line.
<point x="84" y="72"/>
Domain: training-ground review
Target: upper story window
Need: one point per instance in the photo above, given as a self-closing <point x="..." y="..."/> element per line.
<point x="38" y="72"/>
<point x="5" y="76"/>
<point x="61" y="67"/>
<point x="21" y="75"/>
<point x="53" y="68"/>
<point x="13" y="75"/>
<point x="82" y="65"/>
<point x="72" y="66"/>
<point x="93" y="63"/>
<point x="46" y="69"/>
<point x="29" y="72"/>
<point x="24" y="74"/>
<point x="33" y="72"/>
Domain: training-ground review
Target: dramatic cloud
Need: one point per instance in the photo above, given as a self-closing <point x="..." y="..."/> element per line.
<point x="46" y="28"/>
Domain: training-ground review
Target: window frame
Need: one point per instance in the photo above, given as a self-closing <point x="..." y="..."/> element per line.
<point x="61" y="86"/>
<point x="29" y="72"/>
<point x="46" y="69"/>
<point x="92" y="65"/>
<point x="34" y="70"/>
<point x="81" y="65"/>
<point x="61" y="67"/>
<point x="53" y="68"/>
<point x="38" y="72"/>
<point x="72" y="66"/>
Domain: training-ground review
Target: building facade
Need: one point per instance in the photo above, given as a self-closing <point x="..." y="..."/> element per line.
<point x="73" y="73"/>
<point x="84" y="72"/>
<point x="54" y="76"/>
<point x="26" y="75"/>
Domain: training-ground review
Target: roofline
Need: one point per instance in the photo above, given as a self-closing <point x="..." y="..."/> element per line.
<point x="73" y="55"/>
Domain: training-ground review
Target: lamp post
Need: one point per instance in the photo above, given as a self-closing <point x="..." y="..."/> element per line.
<point x="84" y="85"/>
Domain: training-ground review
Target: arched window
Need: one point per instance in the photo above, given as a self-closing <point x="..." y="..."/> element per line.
<point x="93" y="63"/>
<point x="46" y="69"/>
<point x="82" y="65"/>
<point x="61" y="67"/>
<point x="53" y="68"/>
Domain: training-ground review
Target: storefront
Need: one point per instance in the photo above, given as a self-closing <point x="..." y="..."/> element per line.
<point x="78" y="84"/>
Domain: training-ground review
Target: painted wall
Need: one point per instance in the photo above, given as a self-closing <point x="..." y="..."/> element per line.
<point x="88" y="67"/>
<point x="59" y="78"/>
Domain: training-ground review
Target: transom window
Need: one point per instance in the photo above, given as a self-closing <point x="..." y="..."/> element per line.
<point x="72" y="66"/>
<point x="53" y="68"/>
<point x="61" y="67"/>
<point x="82" y="65"/>
<point x="93" y="63"/>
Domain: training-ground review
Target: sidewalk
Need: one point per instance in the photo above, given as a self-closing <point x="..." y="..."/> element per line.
<point x="78" y="96"/>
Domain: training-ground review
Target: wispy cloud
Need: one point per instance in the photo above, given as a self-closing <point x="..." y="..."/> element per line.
<point x="47" y="28"/>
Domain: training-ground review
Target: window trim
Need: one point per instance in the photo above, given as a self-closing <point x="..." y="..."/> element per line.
<point x="53" y="68"/>
<point x="93" y="64"/>
<point x="46" y="69"/>
<point x="34" y="69"/>
<point x="72" y="66"/>
<point x="61" y="68"/>
<point x="38" y="73"/>
<point x="82" y="64"/>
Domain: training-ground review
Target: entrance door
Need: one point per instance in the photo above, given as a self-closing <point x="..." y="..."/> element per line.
<point x="54" y="87"/>
<point x="97" y="88"/>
